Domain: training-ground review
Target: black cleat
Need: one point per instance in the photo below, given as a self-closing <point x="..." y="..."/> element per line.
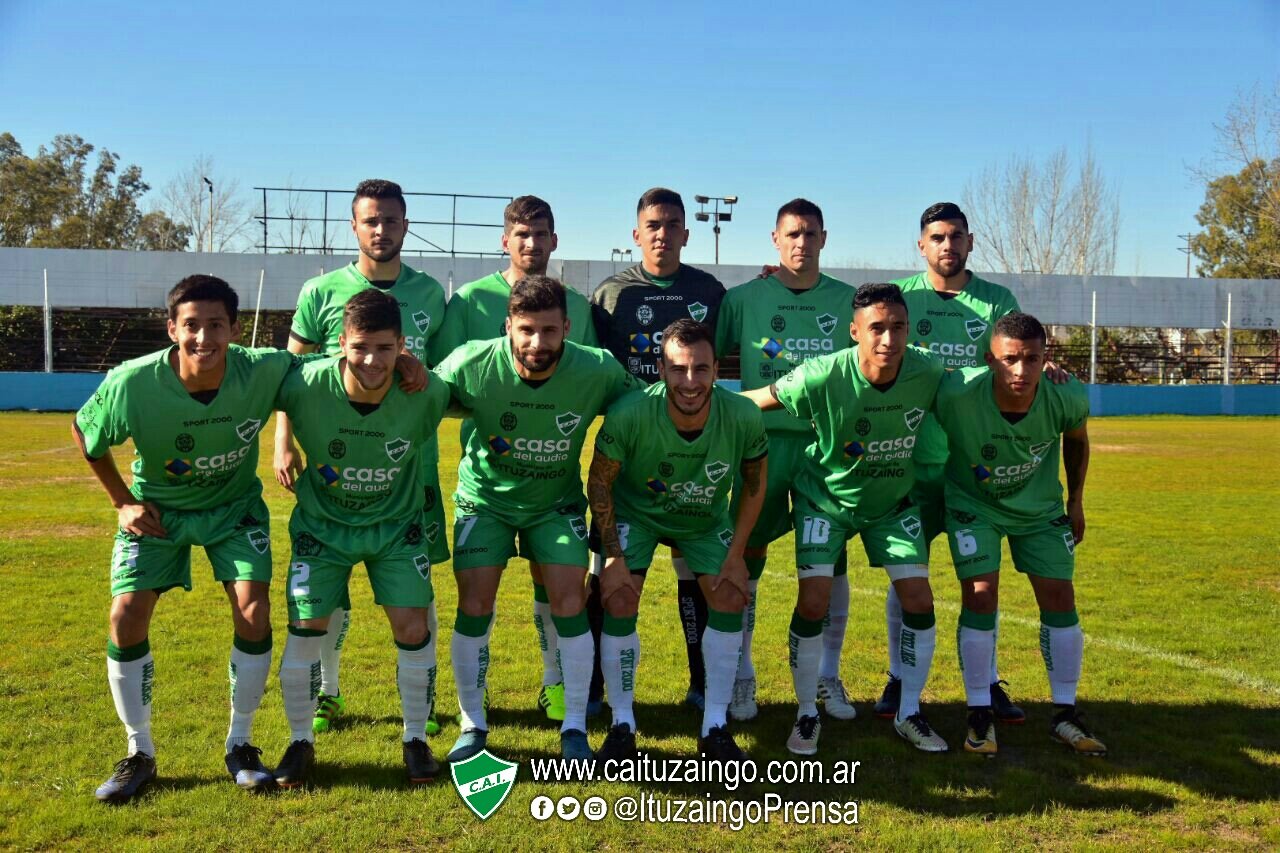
<point x="130" y="777"/>
<point x="718" y="745"/>
<point x="295" y="765"/>
<point x="887" y="705"/>
<point x="1003" y="707"/>
<point x="420" y="763"/>
<point x="244" y="763"/>
<point x="619" y="744"/>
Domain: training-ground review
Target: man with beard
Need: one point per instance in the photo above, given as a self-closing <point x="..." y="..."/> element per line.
<point x="478" y="312"/>
<point x="378" y="219"/>
<point x="660" y="474"/>
<point x="532" y="396"/>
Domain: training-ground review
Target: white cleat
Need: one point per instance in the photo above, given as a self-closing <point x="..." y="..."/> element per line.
<point x="834" y="700"/>
<point x="917" y="731"/>
<point x="804" y="736"/>
<point x="743" y="707"/>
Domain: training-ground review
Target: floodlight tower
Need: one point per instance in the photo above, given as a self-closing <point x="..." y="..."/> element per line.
<point x="714" y="215"/>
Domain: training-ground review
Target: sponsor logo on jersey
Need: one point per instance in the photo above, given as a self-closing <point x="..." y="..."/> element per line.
<point x="1037" y="450"/>
<point x="975" y="328"/>
<point x="778" y="323"/>
<point x="657" y="486"/>
<point x="633" y="365"/>
<point x="483" y="781"/>
<point x="911" y="526"/>
<point x="981" y="473"/>
<point x="422" y="563"/>
<point x="259" y="541"/>
<point x="698" y="311"/>
<point x="331" y="476"/>
<point x="248" y="429"/>
<point x="853" y="449"/>
<point x="184" y="443"/>
<point x="644" y="315"/>
<point x="337" y="448"/>
<point x="952" y="355"/>
<point x="795" y="349"/>
<point x="568" y="422"/>
<point x="177" y="467"/>
<point x="913" y="418"/>
<point x="531" y="449"/>
<point x="772" y="347"/>
<point x="716" y="470"/>
<point x="640" y="342"/>
<point x="924" y="327"/>
<point x="862" y="427"/>
<point x="827" y="322"/>
<point x="989" y="452"/>
<point x="397" y="448"/>
<point x="499" y="445"/>
<point x="508" y="421"/>
<point x="422" y="320"/>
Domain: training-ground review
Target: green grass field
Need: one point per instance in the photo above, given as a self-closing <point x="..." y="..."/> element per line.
<point x="1178" y="584"/>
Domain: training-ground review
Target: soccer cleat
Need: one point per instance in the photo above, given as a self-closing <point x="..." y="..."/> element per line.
<point x="1005" y="711"/>
<point x="981" y="738"/>
<point x="887" y="705"/>
<point x="469" y="743"/>
<point x="328" y="709"/>
<point x="130" y="777"/>
<point x="295" y="765"/>
<point x="917" y="731"/>
<point x="551" y="700"/>
<point x="619" y="744"/>
<point x="244" y="763"/>
<point x="804" y="735"/>
<point x="695" y="699"/>
<point x="574" y="746"/>
<point x="1068" y="728"/>
<point x="419" y="761"/>
<point x="433" y="725"/>
<point x="718" y="745"/>
<point x="743" y="706"/>
<point x="834" y="700"/>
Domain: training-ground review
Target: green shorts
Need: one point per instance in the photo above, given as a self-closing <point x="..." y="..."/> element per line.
<point x="558" y="537"/>
<point x="236" y="538"/>
<point x="393" y="552"/>
<point x="927" y="494"/>
<point x="786" y="457"/>
<point x="704" y="554"/>
<point x="1048" y="551"/>
<point x="894" y="539"/>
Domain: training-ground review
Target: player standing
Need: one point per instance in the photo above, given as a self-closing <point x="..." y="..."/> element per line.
<point x="777" y="323"/>
<point x="1004" y="427"/>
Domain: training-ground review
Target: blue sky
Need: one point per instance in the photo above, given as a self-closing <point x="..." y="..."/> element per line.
<point x="871" y="110"/>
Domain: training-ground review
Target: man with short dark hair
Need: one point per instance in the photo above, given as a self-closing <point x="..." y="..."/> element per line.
<point x="660" y="474"/>
<point x="532" y="396"/>
<point x="379" y="221"/>
<point x="1004" y="427"/>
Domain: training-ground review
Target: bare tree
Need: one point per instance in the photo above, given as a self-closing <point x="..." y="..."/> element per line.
<point x="186" y="200"/>
<point x="1045" y="217"/>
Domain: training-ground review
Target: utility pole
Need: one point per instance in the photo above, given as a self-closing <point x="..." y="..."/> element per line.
<point x="1186" y="250"/>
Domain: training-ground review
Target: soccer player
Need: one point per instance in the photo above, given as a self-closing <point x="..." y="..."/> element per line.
<point x="953" y="313"/>
<point x="378" y="219"/>
<point x="532" y="396"/>
<point x="1004" y="427"/>
<point x="659" y="475"/>
<point x="360" y="501"/>
<point x="193" y="411"/>
<point x="478" y="312"/>
<point x="776" y="323"/>
<point x="867" y="405"/>
<point x="630" y="310"/>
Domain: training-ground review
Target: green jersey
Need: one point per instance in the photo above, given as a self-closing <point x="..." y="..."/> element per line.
<point x="478" y="312"/>
<point x="866" y="435"/>
<point x="1007" y="473"/>
<point x="958" y="330"/>
<point x="775" y="329"/>
<point x="361" y="469"/>
<point x="188" y="455"/>
<point x="676" y="486"/>
<point x="318" y="318"/>
<point x="524" y="456"/>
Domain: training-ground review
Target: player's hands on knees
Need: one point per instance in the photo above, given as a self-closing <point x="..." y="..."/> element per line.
<point x="141" y="519"/>
<point x="287" y="463"/>
<point x="733" y="571"/>
<point x="1057" y="374"/>
<point x="616" y="580"/>
<point x="1075" y="512"/>
<point x="413" y="376"/>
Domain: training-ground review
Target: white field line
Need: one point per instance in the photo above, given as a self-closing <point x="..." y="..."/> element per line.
<point x="9" y="456"/>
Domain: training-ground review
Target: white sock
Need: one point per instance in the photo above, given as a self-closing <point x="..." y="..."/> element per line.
<point x="995" y="641"/>
<point x="248" y="675"/>
<point x="976" y="647"/>
<point x="804" y="655"/>
<point x="619" y="659"/>
<point x="547" y="641"/>
<point x="470" y="656"/>
<point x="577" y="654"/>
<point x="416" y="680"/>
<point x="131" y="685"/>
<point x="833" y="627"/>
<point x="1063" y="653"/>
<point x="720" y="657"/>
<point x="893" y="624"/>
<point x="746" y="666"/>
<point x="331" y="651"/>
<point x="915" y="654"/>
<point x="300" y="683"/>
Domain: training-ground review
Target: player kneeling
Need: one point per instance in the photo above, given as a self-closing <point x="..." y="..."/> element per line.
<point x="1004" y="426"/>
<point x="662" y="469"/>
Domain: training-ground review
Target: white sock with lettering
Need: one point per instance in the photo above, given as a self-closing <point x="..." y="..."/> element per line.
<point x="893" y="626"/>
<point x="416" y="681"/>
<point x="833" y="627"/>
<point x="300" y="683"/>
<point x="331" y="651"/>
<point x="131" y="683"/>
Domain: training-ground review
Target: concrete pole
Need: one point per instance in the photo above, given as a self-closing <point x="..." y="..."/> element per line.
<point x="48" y="327"/>
<point x="1093" y="341"/>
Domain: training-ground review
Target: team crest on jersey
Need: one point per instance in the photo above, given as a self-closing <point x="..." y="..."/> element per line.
<point x="422" y="320"/>
<point x="644" y="315"/>
<point x="913" y="418"/>
<point x="716" y="470"/>
<point x="975" y="328"/>
<point x="578" y="525"/>
<point x="260" y="541"/>
<point x="924" y="327"/>
<point x="185" y="443"/>
<point x="397" y="448"/>
<point x="1037" y="450"/>
<point x="248" y="429"/>
<point x="422" y="563"/>
<point x="568" y="422"/>
<point x="1069" y="540"/>
<point x="433" y="530"/>
<point x="726" y="538"/>
<point x="911" y="526"/>
<point x="827" y="323"/>
<point x="698" y="311"/>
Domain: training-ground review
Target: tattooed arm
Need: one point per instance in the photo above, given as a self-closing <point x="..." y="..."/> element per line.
<point x="615" y="577"/>
<point x="734" y="569"/>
